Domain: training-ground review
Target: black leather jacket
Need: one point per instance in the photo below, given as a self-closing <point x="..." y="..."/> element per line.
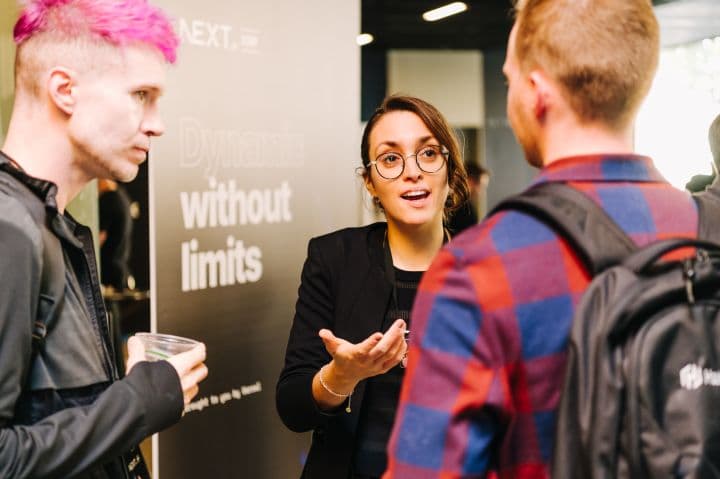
<point x="63" y="410"/>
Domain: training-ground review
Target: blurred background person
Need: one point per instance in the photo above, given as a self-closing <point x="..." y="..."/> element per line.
<point x="699" y="182"/>
<point x="714" y="140"/>
<point x="116" y="225"/>
<point x="469" y="213"/>
<point x="115" y="237"/>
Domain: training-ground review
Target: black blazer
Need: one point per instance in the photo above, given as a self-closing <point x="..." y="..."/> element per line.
<point x="343" y="288"/>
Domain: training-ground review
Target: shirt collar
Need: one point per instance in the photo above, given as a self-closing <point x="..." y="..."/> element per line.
<point x="614" y="167"/>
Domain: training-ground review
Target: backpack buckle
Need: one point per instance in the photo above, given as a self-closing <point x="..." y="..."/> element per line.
<point x="689" y="275"/>
<point x="39" y="332"/>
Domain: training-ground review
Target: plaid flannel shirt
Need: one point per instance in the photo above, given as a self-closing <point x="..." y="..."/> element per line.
<point x="491" y="321"/>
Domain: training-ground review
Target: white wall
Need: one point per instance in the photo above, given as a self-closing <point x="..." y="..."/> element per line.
<point x="7" y="57"/>
<point x="672" y="125"/>
<point x="449" y="79"/>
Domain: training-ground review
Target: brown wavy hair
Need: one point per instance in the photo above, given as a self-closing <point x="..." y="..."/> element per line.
<point x="441" y="130"/>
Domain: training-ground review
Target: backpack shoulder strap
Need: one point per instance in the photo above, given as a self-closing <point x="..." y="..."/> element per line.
<point x="593" y="235"/>
<point x="708" y="203"/>
<point x="52" y="286"/>
<point x="52" y="283"/>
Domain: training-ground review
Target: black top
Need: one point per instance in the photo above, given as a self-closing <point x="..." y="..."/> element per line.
<point x="382" y="392"/>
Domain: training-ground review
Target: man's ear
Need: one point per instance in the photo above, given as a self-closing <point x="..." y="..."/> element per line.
<point x="543" y="92"/>
<point x="61" y="88"/>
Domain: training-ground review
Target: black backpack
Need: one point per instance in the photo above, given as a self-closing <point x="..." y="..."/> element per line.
<point x="641" y="397"/>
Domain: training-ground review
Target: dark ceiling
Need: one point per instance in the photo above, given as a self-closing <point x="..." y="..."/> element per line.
<point x="398" y="24"/>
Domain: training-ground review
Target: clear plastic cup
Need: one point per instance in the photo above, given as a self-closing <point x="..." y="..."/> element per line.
<point x="162" y="346"/>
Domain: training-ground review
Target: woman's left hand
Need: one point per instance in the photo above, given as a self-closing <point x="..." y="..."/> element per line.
<point x="376" y="355"/>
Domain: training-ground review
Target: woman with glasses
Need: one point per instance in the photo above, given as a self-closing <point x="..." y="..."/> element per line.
<point x="346" y="352"/>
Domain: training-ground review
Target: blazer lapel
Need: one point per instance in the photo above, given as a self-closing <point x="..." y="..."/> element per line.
<point x="372" y="291"/>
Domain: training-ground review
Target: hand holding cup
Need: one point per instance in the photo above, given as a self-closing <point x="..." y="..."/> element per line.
<point x="186" y="355"/>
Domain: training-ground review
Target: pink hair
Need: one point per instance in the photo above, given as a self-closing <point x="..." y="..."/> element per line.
<point x="118" y="22"/>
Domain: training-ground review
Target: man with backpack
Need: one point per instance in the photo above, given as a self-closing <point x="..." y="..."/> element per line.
<point x="492" y="317"/>
<point x="88" y="77"/>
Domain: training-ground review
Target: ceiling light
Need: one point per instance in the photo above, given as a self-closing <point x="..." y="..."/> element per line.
<point x="364" y="39"/>
<point x="444" y="11"/>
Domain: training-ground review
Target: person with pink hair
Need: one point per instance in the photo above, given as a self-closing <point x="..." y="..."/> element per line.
<point x="88" y="76"/>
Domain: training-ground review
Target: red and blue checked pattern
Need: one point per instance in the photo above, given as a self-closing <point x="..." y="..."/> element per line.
<point x="491" y="322"/>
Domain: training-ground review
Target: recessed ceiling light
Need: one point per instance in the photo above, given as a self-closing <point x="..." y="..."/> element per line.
<point x="364" y="39"/>
<point x="444" y="11"/>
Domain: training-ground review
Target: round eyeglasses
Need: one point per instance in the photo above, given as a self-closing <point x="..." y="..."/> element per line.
<point x="430" y="159"/>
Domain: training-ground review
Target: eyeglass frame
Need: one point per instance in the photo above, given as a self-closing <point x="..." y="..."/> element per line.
<point x="443" y="151"/>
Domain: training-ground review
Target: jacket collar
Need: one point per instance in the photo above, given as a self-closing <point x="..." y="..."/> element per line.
<point x="628" y="167"/>
<point x="46" y="191"/>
